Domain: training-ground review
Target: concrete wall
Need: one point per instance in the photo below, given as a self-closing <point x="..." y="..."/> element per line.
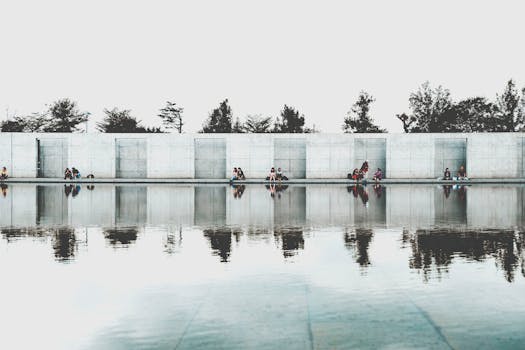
<point x="327" y="155"/>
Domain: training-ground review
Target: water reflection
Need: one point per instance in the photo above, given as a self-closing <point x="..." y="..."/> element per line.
<point x="358" y="241"/>
<point x="437" y="223"/>
<point x="435" y="250"/>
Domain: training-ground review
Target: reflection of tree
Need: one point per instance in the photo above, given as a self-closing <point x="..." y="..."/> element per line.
<point x="13" y="234"/>
<point x="292" y="240"/>
<point x="440" y="247"/>
<point x="220" y="242"/>
<point x="121" y="236"/>
<point x="359" y="241"/>
<point x="64" y="244"/>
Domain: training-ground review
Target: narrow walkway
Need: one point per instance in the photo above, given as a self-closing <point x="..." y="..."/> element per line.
<point x="261" y="181"/>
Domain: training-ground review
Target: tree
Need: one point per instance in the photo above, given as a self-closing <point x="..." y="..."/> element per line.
<point x="508" y="105"/>
<point x="290" y="121"/>
<point x="171" y="116"/>
<point x="476" y="114"/>
<point x="431" y="110"/>
<point x="257" y="124"/>
<point x="219" y="120"/>
<point x="237" y="127"/>
<point x="12" y="126"/>
<point x="35" y="122"/>
<point x="65" y="117"/>
<point x="122" y="122"/>
<point x="358" y="119"/>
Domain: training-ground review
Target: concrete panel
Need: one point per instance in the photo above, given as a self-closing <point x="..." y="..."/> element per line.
<point x="253" y="153"/>
<point x="93" y="154"/>
<point x="410" y="206"/>
<point x="5" y="153"/>
<point x="210" y="158"/>
<point x="131" y="205"/>
<point x="249" y="206"/>
<point x="52" y="157"/>
<point x="290" y="155"/>
<point x="449" y="153"/>
<point x="494" y="155"/>
<point x="169" y="205"/>
<point x="210" y="205"/>
<point x="171" y="156"/>
<point x="373" y="150"/>
<point x="131" y="158"/>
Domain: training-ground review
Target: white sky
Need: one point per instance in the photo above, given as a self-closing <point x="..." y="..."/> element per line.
<point x="315" y="56"/>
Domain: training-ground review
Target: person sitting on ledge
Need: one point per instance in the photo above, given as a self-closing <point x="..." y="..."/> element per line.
<point x="272" y="175"/>
<point x="356" y="175"/>
<point x="280" y="175"/>
<point x="3" y="174"/>
<point x="378" y="175"/>
<point x="68" y="174"/>
<point x="240" y="174"/>
<point x="446" y="175"/>
<point x="235" y="175"/>
<point x="462" y="173"/>
<point x="76" y="173"/>
<point x="364" y="169"/>
<point x="90" y="176"/>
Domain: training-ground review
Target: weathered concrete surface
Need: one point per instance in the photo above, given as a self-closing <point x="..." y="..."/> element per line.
<point x="312" y="156"/>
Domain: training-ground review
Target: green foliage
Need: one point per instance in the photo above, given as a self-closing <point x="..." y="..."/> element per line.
<point x="358" y="119"/>
<point x="289" y="122"/>
<point x="256" y="124"/>
<point x="35" y="122"/>
<point x="117" y="121"/>
<point x="238" y="127"/>
<point x="171" y="116"/>
<point x="434" y="111"/>
<point x="64" y="117"/>
<point x="219" y="120"/>
<point x="12" y="126"/>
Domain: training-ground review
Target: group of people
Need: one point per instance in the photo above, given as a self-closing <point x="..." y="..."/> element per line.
<point x="461" y="174"/>
<point x="361" y="173"/>
<point x="276" y="175"/>
<point x="71" y="174"/>
<point x="3" y="174"/>
<point x="238" y="174"/>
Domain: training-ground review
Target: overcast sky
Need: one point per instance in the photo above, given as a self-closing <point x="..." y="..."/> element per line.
<point x="315" y="56"/>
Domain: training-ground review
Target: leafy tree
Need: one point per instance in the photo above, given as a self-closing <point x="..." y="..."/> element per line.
<point x="476" y="114"/>
<point x="12" y="126"/>
<point x="358" y="119"/>
<point x="429" y="107"/>
<point x="290" y="122"/>
<point x="219" y="120"/>
<point x="117" y="121"/>
<point x="257" y="124"/>
<point x="171" y="116"/>
<point x="65" y="117"/>
<point x="407" y="121"/>
<point x="509" y="111"/>
<point x="35" y="122"/>
<point x="237" y="127"/>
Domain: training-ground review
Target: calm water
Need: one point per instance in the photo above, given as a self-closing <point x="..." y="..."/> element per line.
<point x="184" y="267"/>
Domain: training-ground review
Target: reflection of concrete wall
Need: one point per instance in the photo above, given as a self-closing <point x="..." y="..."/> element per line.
<point x="254" y="207"/>
<point x="171" y="205"/>
<point x="290" y="207"/>
<point x="410" y="206"/>
<point x="131" y="205"/>
<point x="329" y="206"/>
<point x="493" y="207"/>
<point x="93" y="208"/>
<point x="210" y="205"/>
<point x="450" y="205"/>
<point x="19" y="206"/>
<point x="52" y="205"/>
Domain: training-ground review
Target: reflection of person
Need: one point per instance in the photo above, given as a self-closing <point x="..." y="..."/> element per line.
<point x="272" y="190"/>
<point x="378" y="190"/>
<point x="237" y="191"/>
<point x="446" y="190"/>
<point x="4" y="190"/>
<point x="363" y="194"/>
<point x="3" y="174"/>
<point x="90" y="187"/>
<point x="446" y="175"/>
<point x="462" y="192"/>
<point x="68" y="189"/>
<point x="76" y="190"/>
